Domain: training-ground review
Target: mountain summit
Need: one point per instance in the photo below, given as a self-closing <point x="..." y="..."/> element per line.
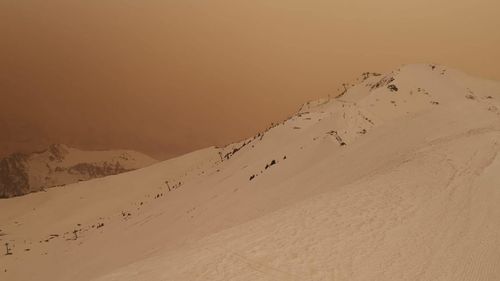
<point x="396" y="179"/>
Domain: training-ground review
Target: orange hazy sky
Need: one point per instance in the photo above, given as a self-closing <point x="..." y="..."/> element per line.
<point x="166" y="77"/>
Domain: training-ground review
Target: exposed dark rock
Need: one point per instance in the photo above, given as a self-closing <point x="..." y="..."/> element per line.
<point x="94" y="170"/>
<point x="21" y="174"/>
<point x="366" y="75"/>
<point x="14" y="179"/>
<point x="382" y="82"/>
<point x="470" y="97"/>
<point x="270" y="164"/>
<point x="393" y="88"/>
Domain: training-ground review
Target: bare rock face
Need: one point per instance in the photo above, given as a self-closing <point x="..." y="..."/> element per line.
<point x="14" y="179"/>
<point x="58" y="165"/>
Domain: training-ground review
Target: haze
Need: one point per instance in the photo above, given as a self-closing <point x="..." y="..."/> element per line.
<point x="167" y="77"/>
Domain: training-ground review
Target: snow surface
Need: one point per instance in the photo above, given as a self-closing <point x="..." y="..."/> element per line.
<point x="374" y="185"/>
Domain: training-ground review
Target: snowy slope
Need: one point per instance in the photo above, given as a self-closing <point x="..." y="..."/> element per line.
<point x="397" y="179"/>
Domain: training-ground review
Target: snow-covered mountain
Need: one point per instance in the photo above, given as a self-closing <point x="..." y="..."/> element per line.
<point x="21" y="174"/>
<point x="397" y="179"/>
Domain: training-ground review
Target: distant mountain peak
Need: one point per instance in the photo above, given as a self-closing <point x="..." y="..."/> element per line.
<point x="59" y="164"/>
<point x="58" y="151"/>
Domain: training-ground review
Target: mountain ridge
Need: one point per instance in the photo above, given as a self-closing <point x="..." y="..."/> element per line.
<point x="58" y="164"/>
<point x="368" y="186"/>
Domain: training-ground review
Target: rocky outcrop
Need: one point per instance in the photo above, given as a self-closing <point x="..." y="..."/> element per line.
<point x="14" y="180"/>
<point x="58" y="165"/>
<point x="91" y="170"/>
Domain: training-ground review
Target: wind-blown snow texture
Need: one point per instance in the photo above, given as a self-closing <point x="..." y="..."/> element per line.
<point x="397" y="179"/>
